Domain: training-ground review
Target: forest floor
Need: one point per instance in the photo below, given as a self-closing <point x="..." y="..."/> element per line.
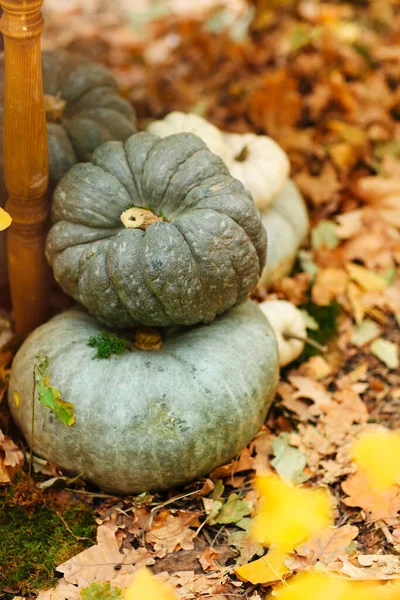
<point x="323" y="79"/>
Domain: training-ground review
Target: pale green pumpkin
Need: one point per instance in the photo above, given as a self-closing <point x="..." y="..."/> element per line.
<point x="149" y="420"/>
<point x="204" y="255"/>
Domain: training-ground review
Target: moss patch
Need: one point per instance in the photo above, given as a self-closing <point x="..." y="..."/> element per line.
<point x="34" y="536"/>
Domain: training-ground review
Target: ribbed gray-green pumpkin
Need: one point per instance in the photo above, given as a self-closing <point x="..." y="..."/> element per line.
<point x="149" y="420"/>
<point x="84" y="110"/>
<point x="203" y="256"/>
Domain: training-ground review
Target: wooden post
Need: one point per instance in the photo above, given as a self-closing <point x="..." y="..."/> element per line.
<point x="25" y="157"/>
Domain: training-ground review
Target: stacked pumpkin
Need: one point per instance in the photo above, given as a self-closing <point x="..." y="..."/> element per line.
<point x="150" y="232"/>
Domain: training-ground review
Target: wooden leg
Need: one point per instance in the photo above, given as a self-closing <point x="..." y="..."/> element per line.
<point x="25" y="161"/>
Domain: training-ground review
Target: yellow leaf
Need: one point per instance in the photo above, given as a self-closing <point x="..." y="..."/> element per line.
<point x="267" y="569"/>
<point x="368" y="280"/>
<point x="307" y="586"/>
<point x="289" y="515"/>
<point x="377" y="454"/>
<point x="17" y="398"/>
<point x="5" y="219"/>
<point x="145" y="587"/>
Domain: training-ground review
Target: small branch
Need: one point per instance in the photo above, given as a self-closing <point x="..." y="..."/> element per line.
<point x="139" y="218"/>
<point x="306" y="340"/>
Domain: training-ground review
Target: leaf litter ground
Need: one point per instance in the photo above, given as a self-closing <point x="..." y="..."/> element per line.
<point x="322" y="78"/>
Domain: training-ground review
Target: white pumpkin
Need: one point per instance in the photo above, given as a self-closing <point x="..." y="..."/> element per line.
<point x="287" y="225"/>
<point x="179" y="122"/>
<point x="255" y="160"/>
<point x="285" y="320"/>
<point x="259" y="163"/>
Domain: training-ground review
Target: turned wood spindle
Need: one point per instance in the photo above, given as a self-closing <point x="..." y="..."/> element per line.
<point x="25" y="161"/>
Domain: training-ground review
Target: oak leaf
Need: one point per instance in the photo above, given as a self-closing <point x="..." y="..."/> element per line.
<point x="382" y="504"/>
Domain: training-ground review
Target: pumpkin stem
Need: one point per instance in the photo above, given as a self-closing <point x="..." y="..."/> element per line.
<point x="139" y="218"/>
<point x="148" y="338"/>
<point x="306" y="340"/>
<point x="243" y="154"/>
<point x="54" y="107"/>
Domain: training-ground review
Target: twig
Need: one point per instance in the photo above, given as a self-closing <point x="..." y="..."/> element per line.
<point x="306" y="340"/>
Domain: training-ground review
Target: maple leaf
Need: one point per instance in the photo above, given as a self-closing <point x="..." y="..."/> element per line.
<point x="382" y="504"/>
<point x="288" y="515"/>
<point x="377" y="454"/>
<point x="146" y="587"/>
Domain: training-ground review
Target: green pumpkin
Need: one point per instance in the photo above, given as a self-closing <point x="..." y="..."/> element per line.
<point x="204" y="255"/>
<point x="149" y="420"/>
<point x="85" y="109"/>
<point x="287" y="225"/>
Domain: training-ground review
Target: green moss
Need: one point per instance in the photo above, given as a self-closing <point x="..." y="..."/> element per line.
<point x="34" y="537"/>
<point x="107" y="344"/>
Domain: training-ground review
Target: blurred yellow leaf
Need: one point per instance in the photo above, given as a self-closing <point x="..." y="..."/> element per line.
<point x="377" y="454"/>
<point x="5" y="219"/>
<point x="289" y="515"/>
<point x="368" y="280"/>
<point x="145" y="587"/>
<point x="267" y="569"/>
<point x="307" y="586"/>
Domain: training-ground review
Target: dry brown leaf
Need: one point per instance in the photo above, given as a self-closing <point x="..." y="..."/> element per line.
<point x="312" y="390"/>
<point x="207" y="559"/>
<point x="326" y="546"/>
<point x="321" y="188"/>
<point x="380" y="504"/>
<point x="329" y="284"/>
<point x="100" y="562"/>
<point x="377" y="567"/>
<point x="316" y="367"/>
<point x="170" y="533"/>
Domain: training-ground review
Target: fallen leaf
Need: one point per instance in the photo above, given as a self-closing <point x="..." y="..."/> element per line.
<point x="100" y="562"/>
<point x="50" y="396"/>
<point x="387" y="352"/>
<point x="377" y="455"/>
<point x="289" y="462"/>
<point x="101" y="591"/>
<point x="307" y="586"/>
<point x="266" y="570"/>
<point x="312" y="390"/>
<point x="326" y="546"/>
<point x="146" y="587"/>
<point x="232" y="511"/>
<point x="365" y="332"/>
<point x="324" y="234"/>
<point x="329" y="284"/>
<point x="382" y="504"/>
<point x="172" y="532"/>
<point x="365" y="278"/>
<point x="5" y="219"/>
<point x="288" y="515"/>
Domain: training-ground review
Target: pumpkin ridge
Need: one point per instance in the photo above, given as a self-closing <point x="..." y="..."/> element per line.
<point x="180" y="164"/>
<point x="153" y="291"/>
<point x="135" y="176"/>
<point x="178" y="225"/>
<point x="230" y="258"/>
<point x="200" y="278"/>
<point x="161" y="146"/>
<point x="252" y="242"/>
